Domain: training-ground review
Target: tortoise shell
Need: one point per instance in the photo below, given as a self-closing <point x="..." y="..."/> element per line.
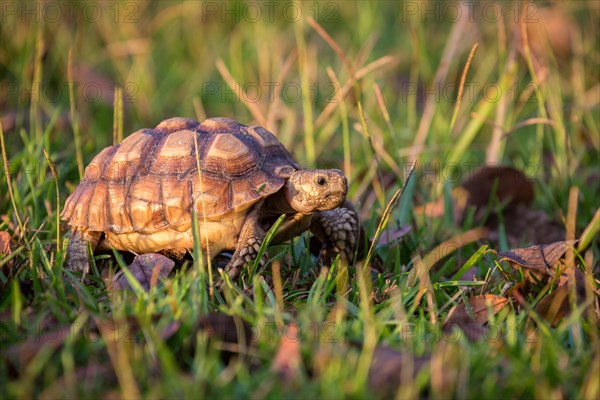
<point x="156" y="178"/>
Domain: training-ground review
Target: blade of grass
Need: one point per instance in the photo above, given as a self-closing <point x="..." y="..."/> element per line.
<point x="570" y="262"/>
<point x="332" y="43"/>
<point x="450" y="49"/>
<point x="388" y="60"/>
<point x="273" y="108"/>
<point x="35" y="116"/>
<point x="368" y="324"/>
<point x="278" y="289"/>
<point x="55" y="176"/>
<point x="461" y="86"/>
<point x="118" y="116"/>
<point x="470" y="262"/>
<point x="482" y="110"/>
<point x="385" y="113"/>
<point x="449" y="246"/>
<point x="590" y="231"/>
<point x="199" y="109"/>
<point x="307" y="111"/>
<point x="386" y="215"/>
<point x="198" y="256"/>
<point x="365" y="130"/>
<point x="237" y="89"/>
<point x="265" y="243"/>
<point x="560" y="136"/>
<point x="74" y="118"/>
<point x="120" y="354"/>
<point x="9" y="182"/>
<point x="344" y="120"/>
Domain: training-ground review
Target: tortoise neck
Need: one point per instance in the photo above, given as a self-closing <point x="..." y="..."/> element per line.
<point x="278" y="203"/>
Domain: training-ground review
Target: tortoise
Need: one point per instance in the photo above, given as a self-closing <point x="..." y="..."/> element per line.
<point x="142" y="195"/>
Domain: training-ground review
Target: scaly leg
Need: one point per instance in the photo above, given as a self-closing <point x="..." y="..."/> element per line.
<point x="340" y="233"/>
<point x="77" y="254"/>
<point x="248" y="244"/>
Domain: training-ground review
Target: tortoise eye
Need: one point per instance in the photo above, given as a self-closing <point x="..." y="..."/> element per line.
<point x="321" y="181"/>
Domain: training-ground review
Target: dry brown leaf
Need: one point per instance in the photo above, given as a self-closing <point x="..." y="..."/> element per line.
<point x="53" y="338"/>
<point x="287" y="361"/>
<point x="389" y="367"/>
<point x="120" y="354"/>
<point x="88" y="375"/>
<point x="551" y="30"/>
<point x="432" y="209"/>
<point x="231" y="335"/>
<point x="509" y="187"/>
<point x="541" y="258"/>
<point x="515" y="190"/>
<point x="226" y="329"/>
<point x="14" y="119"/>
<point x="436" y="209"/>
<point x="146" y="268"/>
<point x="451" y="245"/>
<point x="472" y="324"/>
<point x="444" y="367"/>
<point x="555" y="306"/>
<point x="507" y="184"/>
<point x="525" y="225"/>
<point x="4" y="244"/>
<point x="86" y="76"/>
<point x="392" y="235"/>
<point x="479" y="308"/>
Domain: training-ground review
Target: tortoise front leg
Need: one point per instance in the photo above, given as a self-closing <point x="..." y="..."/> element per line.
<point x="340" y="233"/>
<point x="77" y="254"/>
<point x="248" y="243"/>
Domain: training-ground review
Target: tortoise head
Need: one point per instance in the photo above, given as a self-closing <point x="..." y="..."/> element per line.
<point x="308" y="191"/>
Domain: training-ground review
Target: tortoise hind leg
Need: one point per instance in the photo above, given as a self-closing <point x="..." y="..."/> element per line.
<point x="77" y="254"/>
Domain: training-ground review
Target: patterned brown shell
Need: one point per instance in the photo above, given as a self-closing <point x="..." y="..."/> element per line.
<point x="150" y="181"/>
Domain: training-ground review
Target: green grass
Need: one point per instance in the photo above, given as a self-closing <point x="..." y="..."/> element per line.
<point x="319" y="94"/>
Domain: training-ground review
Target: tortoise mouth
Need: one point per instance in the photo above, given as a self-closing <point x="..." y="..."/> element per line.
<point x="330" y="201"/>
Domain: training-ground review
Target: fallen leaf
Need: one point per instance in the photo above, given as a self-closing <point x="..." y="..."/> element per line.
<point x="451" y="245"/>
<point x="231" y="335"/>
<point x="392" y="235"/>
<point x="86" y="77"/>
<point x="88" y="375"/>
<point x="14" y="119"/>
<point x="550" y="30"/>
<point x="472" y="323"/>
<point x="436" y="209"/>
<point x="146" y="268"/>
<point x="507" y="184"/>
<point x="369" y="197"/>
<point x="120" y="353"/>
<point x="512" y="189"/>
<point x="287" y="361"/>
<point x="509" y="187"/>
<point x="390" y="367"/>
<point x="171" y="329"/>
<point x="555" y="306"/>
<point x="541" y="258"/>
<point x="23" y="353"/>
<point x="226" y="329"/>
<point x="4" y="244"/>
<point x="443" y="368"/>
<point x="525" y="225"/>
